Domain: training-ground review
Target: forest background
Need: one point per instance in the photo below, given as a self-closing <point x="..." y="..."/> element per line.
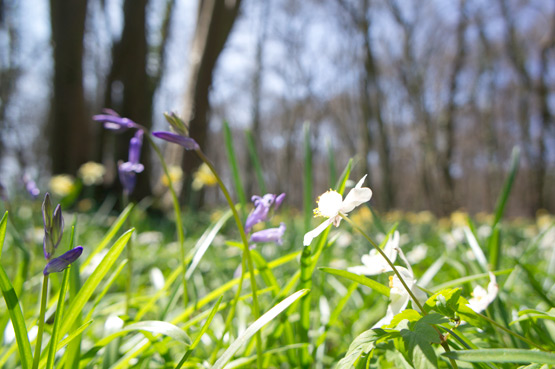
<point x="430" y="97"/>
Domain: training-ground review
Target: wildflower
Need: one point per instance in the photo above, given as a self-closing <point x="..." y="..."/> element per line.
<point x="53" y="227"/>
<point x="374" y="263"/>
<point x="203" y="177"/>
<point x="262" y="207"/>
<point x="399" y="295"/>
<point x="129" y="169"/>
<point x="91" y="173"/>
<point x="30" y="186"/>
<point x="481" y="298"/>
<point x="114" y="122"/>
<point x="187" y="142"/>
<point x="176" y="175"/>
<point x="332" y="206"/>
<point x="269" y="235"/>
<point x="62" y="184"/>
<point x="61" y="262"/>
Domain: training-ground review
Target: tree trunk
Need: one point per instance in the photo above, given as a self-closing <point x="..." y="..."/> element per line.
<point x="69" y="123"/>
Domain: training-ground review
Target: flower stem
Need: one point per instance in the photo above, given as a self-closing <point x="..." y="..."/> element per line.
<point x="246" y="251"/>
<point x="42" y="312"/>
<point x="414" y="299"/>
<point x="444" y="344"/>
<point x="178" y="222"/>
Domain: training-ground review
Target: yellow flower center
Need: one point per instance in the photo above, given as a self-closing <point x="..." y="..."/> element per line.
<point x="329" y="204"/>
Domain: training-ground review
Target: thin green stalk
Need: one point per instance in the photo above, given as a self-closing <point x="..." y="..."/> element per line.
<point x="246" y="251"/>
<point x="414" y="299"/>
<point x="178" y="222"/>
<point x="38" y="345"/>
<point x="497" y="325"/>
<point x="129" y="248"/>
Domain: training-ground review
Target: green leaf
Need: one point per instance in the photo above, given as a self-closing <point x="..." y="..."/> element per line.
<point x="407" y="314"/>
<point x="253" y="155"/>
<point x="111" y="233"/>
<point x="3" y="226"/>
<point x="256" y="326"/>
<point x="418" y="340"/>
<point x="16" y="315"/>
<point x="307" y="179"/>
<point x="502" y="356"/>
<point x="376" y="286"/>
<point x="161" y="327"/>
<point x="240" y="191"/>
<point x="93" y="281"/>
<point x="445" y="302"/>
<point x="360" y="345"/>
<point x="502" y="200"/>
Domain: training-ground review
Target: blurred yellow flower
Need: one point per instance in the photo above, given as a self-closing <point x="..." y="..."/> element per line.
<point x="394" y="216"/>
<point x="543" y="219"/>
<point x="176" y="175"/>
<point x="91" y="173"/>
<point x="483" y="217"/>
<point x="203" y="177"/>
<point x="459" y="218"/>
<point x="62" y="184"/>
<point x="363" y="215"/>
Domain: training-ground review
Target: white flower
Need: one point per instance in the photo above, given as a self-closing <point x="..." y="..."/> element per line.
<point x="482" y="298"/>
<point x="374" y="263"/>
<point x="399" y="296"/>
<point x="332" y="206"/>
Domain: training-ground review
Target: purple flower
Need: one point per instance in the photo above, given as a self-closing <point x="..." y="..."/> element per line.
<point x="129" y="169"/>
<point x="269" y="235"/>
<point x="262" y="207"/>
<point x="61" y="262"/>
<point x="53" y="227"/>
<point x="30" y="186"/>
<point x="187" y="142"/>
<point x="114" y="122"/>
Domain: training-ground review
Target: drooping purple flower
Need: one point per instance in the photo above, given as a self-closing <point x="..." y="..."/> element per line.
<point x="30" y="186"/>
<point x="53" y="227"/>
<point x="61" y="262"/>
<point x="262" y="207"/>
<point x="114" y="122"/>
<point x="187" y="142"/>
<point x="269" y="235"/>
<point x="177" y="123"/>
<point x="129" y="169"/>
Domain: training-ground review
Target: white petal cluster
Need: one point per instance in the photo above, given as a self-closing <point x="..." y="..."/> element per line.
<point x="481" y="297"/>
<point x="373" y="263"/>
<point x="332" y="206"/>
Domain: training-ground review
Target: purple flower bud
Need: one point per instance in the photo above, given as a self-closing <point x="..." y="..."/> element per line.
<point x="53" y="227"/>
<point x="269" y="235"/>
<point x="127" y="171"/>
<point x="177" y="123"/>
<point x="30" y="186"/>
<point x="61" y="262"/>
<point x="114" y="122"/>
<point x="47" y="212"/>
<point x="279" y="199"/>
<point x="187" y="142"/>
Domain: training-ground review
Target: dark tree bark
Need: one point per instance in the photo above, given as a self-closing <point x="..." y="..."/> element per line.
<point x="215" y="19"/>
<point x="129" y="68"/>
<point x="69" y="131"/>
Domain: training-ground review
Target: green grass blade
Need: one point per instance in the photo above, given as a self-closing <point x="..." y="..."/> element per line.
<point x="234" y="166"/>
<point x="53" y="345"/>
<point x="73" y="335"/>
<point x="93" y="281"/>
<point x="342" y="181"/>
<point x="502" y="356"/>
<point x="3" y="226"/>
<point x="253" y="155"/>
<point x="502" y="200"/>
<point x="200" y="334"/>
<point x="459" y="281"/>
<point x="16" y="315"/>
<point x="255" y="327"/>
<point x="160" y="327"/>
<point x="376" y="286"/>
<point x="307" y="178"/>
<point x="111" y="233"/>
<point x="331" y="162"/>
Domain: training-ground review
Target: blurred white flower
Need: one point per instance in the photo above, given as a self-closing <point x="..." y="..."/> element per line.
<point x="400" y="297"/>
<point x="374" y="263"/>
<point x="481" y="297"/>
<point x="417" y="254"/>
<point x="332" y="206"/>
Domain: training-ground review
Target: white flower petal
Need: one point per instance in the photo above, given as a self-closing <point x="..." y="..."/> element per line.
<point x="358" y="195"/>
<point x="309" y="236"/>
<point x="361" y="270"/>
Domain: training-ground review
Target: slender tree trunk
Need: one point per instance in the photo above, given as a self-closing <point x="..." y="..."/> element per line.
<point x="69" y="131"/>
